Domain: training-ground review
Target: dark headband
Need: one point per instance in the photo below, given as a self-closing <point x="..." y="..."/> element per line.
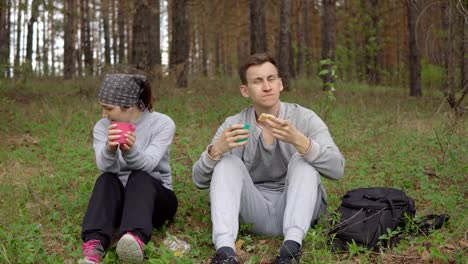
<point x="121" y="89"/>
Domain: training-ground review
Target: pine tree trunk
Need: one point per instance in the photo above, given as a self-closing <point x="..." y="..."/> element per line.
<point x="4" y="33"/>
<point x="121" y="30"/>
<point x="30" y="33"/>
<point x="463" y="51"/>
<point x="18" y="39"/>
<point x="105" y="22"/>
<point x="414" y="56"/>
<point x="258" y="41"/>
<point x="114" y="34"/>
<point x="45" y="44"/>
<point x="307" y="32"/>
<point x="328" y="40"/>
<point x="448" y="54"/>
<point x="180" y="43"/>
<point x="69" y="40"/>
<point x="146" y="47"/>
<point x="52" y="34"/>
<point x="284" y="55"/>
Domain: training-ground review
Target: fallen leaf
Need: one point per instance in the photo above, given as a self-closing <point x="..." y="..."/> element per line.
<point x="463" y="244"/>
<point x="262" y="241"/>
<point x="450" y="246"/>
<point x="425" y="256"/>
<point x="239" y="244"/>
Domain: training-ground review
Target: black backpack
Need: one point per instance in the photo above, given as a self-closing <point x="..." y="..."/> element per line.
<point x="367" y="213"/>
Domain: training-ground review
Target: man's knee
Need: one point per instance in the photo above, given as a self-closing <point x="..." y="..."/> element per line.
<point x="229" y="163"/>
<point x="299" y="168"/>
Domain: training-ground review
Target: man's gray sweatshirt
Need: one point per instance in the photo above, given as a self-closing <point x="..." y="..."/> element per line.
<point x="324" y="155"/>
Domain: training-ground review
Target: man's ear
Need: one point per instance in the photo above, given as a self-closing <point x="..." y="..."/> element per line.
<point x="243" y="91"/>
<point x="281" y="84"/>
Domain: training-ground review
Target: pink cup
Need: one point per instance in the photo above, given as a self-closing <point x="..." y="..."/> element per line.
<point x="124" y="127"/>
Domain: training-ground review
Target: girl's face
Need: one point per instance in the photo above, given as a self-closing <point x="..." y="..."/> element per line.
<point x="115" y="113"/>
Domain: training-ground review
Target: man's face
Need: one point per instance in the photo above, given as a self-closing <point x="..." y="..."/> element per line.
<point x="263" y="85"/>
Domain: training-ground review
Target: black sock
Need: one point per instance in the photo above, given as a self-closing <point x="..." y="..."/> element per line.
<point x="227" y="251"/>
<point x="289" y="248"/>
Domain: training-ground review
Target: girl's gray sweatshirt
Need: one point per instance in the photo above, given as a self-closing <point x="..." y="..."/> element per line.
<point x="154" y="134"/>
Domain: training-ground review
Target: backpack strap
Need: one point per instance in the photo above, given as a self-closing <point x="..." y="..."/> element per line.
<point x="431" y="222"/>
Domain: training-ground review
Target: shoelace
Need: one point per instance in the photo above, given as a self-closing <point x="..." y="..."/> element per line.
<point x="89" y="250"/>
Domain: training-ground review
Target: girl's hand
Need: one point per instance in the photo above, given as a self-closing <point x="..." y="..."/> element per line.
<point x="112" y="135"/>
<point x="130" y="139"/>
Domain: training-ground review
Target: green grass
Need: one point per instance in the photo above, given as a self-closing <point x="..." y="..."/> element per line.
<point x="47" y="168"/>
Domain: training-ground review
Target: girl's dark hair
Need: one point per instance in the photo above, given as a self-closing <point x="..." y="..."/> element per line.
<point x="146" y="97"/>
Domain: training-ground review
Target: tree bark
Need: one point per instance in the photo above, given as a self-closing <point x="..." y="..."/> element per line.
<point x="69" y="40"/>
<point x="307" y="33"/>
<point x="258" y="41"/>
<point x="52" y="34"/>
<point x="18" y="39"/>
<point x="448" y="54"/>
<point x="284" y="55"/>
<point x="105" y="22"/>
<point x="146" y="48"/>
<point x="463" y="50"/>
<point x="86" y="38"/>
<point x="328" y="40"/>
<point x="30" y="33"/>
<point x="121" y="30"/>
<point x="180" y="43"/>
<point x="4" y="34"/>
<point x="414" y="55"/>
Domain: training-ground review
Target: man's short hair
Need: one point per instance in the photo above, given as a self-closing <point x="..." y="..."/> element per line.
<point x="254" y="60"/>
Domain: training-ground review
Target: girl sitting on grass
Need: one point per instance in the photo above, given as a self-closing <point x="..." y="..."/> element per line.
<point x="134" y="192"/>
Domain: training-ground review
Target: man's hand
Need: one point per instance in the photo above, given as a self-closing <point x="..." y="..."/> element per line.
<point x="228" y="139"/>
<point x="285" y="131"/>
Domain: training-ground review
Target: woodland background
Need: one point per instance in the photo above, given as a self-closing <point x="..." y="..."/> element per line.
<point x="388" y="77"/>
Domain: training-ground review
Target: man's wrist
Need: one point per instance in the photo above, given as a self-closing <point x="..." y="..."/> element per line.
<point x="303" y="144"/>
<point x="213" y="153"/>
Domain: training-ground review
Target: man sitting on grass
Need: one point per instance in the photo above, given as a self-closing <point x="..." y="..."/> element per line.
<point x="264" y="170"/>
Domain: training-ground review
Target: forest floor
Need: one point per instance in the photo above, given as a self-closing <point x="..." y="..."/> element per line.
<point x="47" y="168"/>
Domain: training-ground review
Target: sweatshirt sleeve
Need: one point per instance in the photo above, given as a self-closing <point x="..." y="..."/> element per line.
<point x="203" y="168"/>
<point x="147" y="159"/>
<point x="324" y="155"/>
<point x="106" y="161"/>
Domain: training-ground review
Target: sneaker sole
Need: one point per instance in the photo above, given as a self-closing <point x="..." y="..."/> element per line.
<point x="128" y="250"/>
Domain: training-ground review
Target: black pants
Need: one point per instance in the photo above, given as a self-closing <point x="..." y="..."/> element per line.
<point x="143" y="204"/>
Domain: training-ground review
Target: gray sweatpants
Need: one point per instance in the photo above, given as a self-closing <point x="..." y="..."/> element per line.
<point x="234" y="198"/>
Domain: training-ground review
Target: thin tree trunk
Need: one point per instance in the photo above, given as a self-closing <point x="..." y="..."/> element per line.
<point x="328" y="41"/>
<point x="114" y="34"/>
<point x="105" y="21"/>
<point x="4" y="34"/>
<point x="464" y="50"/>
<point x="18" y="39"/>
<point x="448" y="54"/>
<point x="307" y="32"/>
<point x="30" y="33"/>
<point x="121" y="30"/>
<point x="284" y="55"/>
<point x="52" y="34"/>
<point x="86" y="38"/>
<point x="258" y="41"/>
<point x="69" y="41"/>
<point x="414" y="56"/>
<point x="45" y="43"/>
<point x="300" y="39"/>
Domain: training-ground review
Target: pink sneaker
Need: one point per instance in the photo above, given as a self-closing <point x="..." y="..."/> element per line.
<point x="130" y="249"/>
<point x="92" y="251"/>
